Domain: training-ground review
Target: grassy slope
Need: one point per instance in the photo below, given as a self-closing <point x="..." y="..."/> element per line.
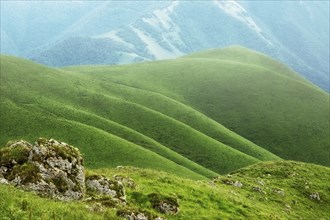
<point x="38" y="101"/>
<point x="176" y="109"/>
<point x="201" y="199"/>
<point x="101" y="149"/>
<point x="26" y="114"/>
<point x="247" y="92"/>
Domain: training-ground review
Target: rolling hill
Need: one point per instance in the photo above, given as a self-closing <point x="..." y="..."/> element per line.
<point x="196" y="116"/>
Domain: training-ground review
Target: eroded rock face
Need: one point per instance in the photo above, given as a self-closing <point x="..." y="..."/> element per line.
<point x="48" y="167"/>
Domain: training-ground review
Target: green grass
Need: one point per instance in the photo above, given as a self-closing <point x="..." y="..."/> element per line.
<point x="197" y="199"/>
<point x="197" y="116"/>
<point x="247" y="92"/>
<point x="15" y="204"/>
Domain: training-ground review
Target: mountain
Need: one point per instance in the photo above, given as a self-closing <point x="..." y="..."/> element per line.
<point x="114" y="32"/>
<point x="282" y="190"/>
<point x="196" y="116"/>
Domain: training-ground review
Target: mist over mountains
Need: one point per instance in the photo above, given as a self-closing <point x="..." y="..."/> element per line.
<point x="115" y="32"/>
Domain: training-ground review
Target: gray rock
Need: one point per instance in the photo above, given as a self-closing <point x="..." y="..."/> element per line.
<point x="229" y="181"/>
<point x="141" y="216"/>
<point x="135" y="216"/>
<point x="101" y="185"/>
<point x="164" y="204"/>
<point x="3" y="181"/>
<point x="315" y="196"/>
<point x="279" y="191"/>
<point x="167" y="208"/>
<point x="50" y="167"/>
<point x="3" y="169"/>
<point x="238" y="184"/>
<point x="257" y="188"/>
<point x="126" y="181"/>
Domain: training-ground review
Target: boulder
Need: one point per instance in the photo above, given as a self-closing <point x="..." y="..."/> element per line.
<point x="315" y="196"/>
<point x="139" y="216"/>
<point x="164" y="204"/>
<point x="49" y="167"/>
<point x="127" y="181"/>
<point x="100" y="185"/>
<point x="132" y="214"/>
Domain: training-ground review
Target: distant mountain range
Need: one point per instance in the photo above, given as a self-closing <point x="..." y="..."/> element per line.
<point x="116" y="32"/>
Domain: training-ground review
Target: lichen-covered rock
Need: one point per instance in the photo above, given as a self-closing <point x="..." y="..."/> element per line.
<point x="164" y="204"/>
<point x="228" y="180"/>
<point x="49" y="167"/>
<point x="279" y="191"/>
<point x="315" y="196"/>
<point x="258" y="189"/>
<point x="98" y="184"/>
<point x="238" y="184"/>
<point x="132" y="214"/>
<point x="126" y="181"/>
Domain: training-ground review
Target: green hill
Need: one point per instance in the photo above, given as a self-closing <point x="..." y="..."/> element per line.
<point x="196" y="116"/>
<point x="245" y="91"/>
<point x="268" y="190"/>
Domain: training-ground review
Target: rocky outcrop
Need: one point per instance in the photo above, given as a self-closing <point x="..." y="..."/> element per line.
<point x="132" y="214"/>
<point x="100" y="185"/>
<point x="55" y="169"/>
<point x="164" y="204"/>
<point x="127" y="181"/>
<point x="228" y="181"/>
<point x="49" y="167"/>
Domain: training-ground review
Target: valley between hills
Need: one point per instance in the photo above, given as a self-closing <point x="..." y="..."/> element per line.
<point x="191" y="128"/>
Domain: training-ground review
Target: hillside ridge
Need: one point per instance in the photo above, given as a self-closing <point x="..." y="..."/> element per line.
<point x="187" y="112"/>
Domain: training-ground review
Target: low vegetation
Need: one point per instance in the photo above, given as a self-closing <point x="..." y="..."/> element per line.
<point x="267" y="190"/>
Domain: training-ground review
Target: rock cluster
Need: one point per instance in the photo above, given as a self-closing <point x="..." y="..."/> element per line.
<point x="136" y="216"/>
<point x="228" y="181"/>
<point x="48" y="167"/>
<point x="102" y="186"/>
<point x="132" y="214"/>
<point x="127" y="181"/>
<point x="166" y="205"/>
<point x="56" y="169"/>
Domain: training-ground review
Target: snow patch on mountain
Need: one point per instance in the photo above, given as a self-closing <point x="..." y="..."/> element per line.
<point x="160" y="19"/>
<point x="237" y="11"/>
<point x="152" y="45"/>
<point x="163" y="15"/>
<point x="169" y="31"/>
<point x="234" y="9"/>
